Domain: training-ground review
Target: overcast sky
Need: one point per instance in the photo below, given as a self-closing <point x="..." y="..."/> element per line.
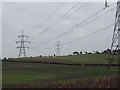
<point x="28" y="16"/>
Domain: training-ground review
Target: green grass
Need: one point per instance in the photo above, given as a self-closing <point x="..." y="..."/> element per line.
<point x="74" y="59"/>
<point x="21" y="73"/>
<point x="17" y="74"/>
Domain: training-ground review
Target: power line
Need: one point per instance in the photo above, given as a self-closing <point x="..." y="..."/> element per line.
<point x="48" y="18"/>
<point x="81" y="26"/>
<point x="72" y="29"/>
<point x="51" y="26"/>
<point x="79" y="23"/>
<point x="75" y="25"/>
<point x="90" y="34"/>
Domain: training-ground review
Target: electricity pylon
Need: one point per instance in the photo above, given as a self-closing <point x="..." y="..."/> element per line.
<point x="22" y="45"/>
<point x="115" y="46"/>
<point x="58" y="48"/>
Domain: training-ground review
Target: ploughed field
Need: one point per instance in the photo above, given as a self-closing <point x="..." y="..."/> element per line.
<point x="36" y="75"/>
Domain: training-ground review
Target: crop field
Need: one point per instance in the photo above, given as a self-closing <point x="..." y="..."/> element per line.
<point x="35" y="75"/>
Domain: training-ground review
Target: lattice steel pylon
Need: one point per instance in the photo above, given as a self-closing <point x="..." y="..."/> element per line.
<point x="58" y="48"/>
<point x="22" y="45"/>
<point x="115" y="46"/>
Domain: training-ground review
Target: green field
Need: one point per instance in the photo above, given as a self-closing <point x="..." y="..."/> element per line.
<point x="74" y="59"/>
<point x="35" y="74"/>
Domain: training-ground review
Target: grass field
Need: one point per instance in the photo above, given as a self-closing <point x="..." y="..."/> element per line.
<point x="74" y="59"/>
<point x="35" y="75"/>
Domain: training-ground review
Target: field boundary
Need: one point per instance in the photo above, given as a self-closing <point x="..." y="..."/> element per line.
<point x="40" y="62"/>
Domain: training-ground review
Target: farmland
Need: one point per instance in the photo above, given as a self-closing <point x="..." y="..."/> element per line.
<point x="74" y="59"/>
<point x="35" y="75"/>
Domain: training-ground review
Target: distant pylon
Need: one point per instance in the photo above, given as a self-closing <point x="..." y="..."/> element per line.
<point x="115" y="46"/>
<point x="22" y="45"/>
<point x="58" y="48"/>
